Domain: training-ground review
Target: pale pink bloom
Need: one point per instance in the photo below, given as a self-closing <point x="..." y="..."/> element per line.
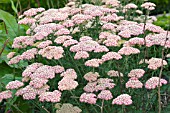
<point x="48" y="28"/>
<point x="70" y="42"/>
<point x="105" y="95"/>
<point x="148" y="6"/>
<point x="85" y="38"/>
<point x="15" y="60"/>
<point x="27" y="20"/>
<point x="52" y="15"/>
<point x="14" y="84"/>
<point x="91" y="77"/>
<point x="67" y="84"/>
<point x="110" y="18"/>
<point x="31" y="69"/>
<point x="109" y="26"/>
<point x="5" y="95"/>
<point x="52" y="52"/>
<point x="155" y="63"/>
<point x="139" y="12"/>
<point x="29" y="96"/>
<point x="62" y="39"/>
<point x="123" y="99"/>
<point x="69" y="73"/>
<point x="44" y="19"/>
<point x="54" y="96"/>
<point x="134" y="83"/>
<point x="28" y="32"/>
<point x="110" y="42"/>
<point x="68" y="23"/>
<point x="125" y="33"/>
<point x="130" y="6"/>
<point x="136" y="40"/>
<point x="44" y="44"/>
<point x="153" y="28"/>
<point x="58" y="69"/>
<point x="75" y="48"/>
<point x="80" y="18"/>
<point x="33" y="11"/>
<point x="137" y="73"/>
<point x="95" y="13"/>
<point x="90" y="87"/>
<point x="62" y="31"/>
<point x="101" y="48"/>
<point x="153" y="82"/>
<point x="93" y="62"/>
<point x="43" y="72"/>
<point x="10" y="55"/>
<point x="42" y="89"/>
<point x="71" y="4"/>
<point x="88" y="98"/>
<point x="113" y="73"/>
<point x="154" y="18"/>
<point x="158" y="39"/>
<point x="104" y="83"/>
<point x="30" y="93"/>
<point x="29" y="54"/>
<point x="88" y="45"/>
<point x="74" y="11"/>
<point x="38" y="82"/>
<point x="25" y="79"/>
<point x="128" y="51"/>
<point x="104" y="35"/>
<point x="41" y="35"/>
<point x="114" y="3"/>
<point x="131" y="29"/>
<point x="81" y="55"/>
<point x="111" y="56"/>
<point x="115" y="37"/>
<point x="23" y="41"/>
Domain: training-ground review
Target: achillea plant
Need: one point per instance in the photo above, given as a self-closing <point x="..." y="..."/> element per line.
<point x="90" y="55"/>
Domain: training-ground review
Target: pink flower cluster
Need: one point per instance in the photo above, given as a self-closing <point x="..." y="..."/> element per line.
<point x="123" y="99"/>
<point x="51" y="52"/>
<point x="91" y="77"/>
<point x="93" y="62"/>
<point x="23" y="41"/>
<point x="5" y="95"/>
<point x="88" y="98"/>
<point x="111" y="56"/>
<point x="158" y="39"/>
<point x="134" y="83"/>
<point x="68" y="81"/>
<point x="153" y="82"/>
<point x="148" y="5"/>
<point x="136" y="73"/>
<point x="54" y="96"/>
<point x="128" y="51"/>
<point x="105" y="95"/>
<point x="33" y="11"/>
<point x="155" y="63"/>
<point x="14" y="84"/>
<point x="29" y="93"/>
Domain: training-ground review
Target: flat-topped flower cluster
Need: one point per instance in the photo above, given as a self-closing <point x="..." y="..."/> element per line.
<point x="96" y="37"/>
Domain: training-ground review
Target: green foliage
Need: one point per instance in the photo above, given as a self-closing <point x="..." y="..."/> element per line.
<point x="10" y="24"/>
<point x="163" y="21"/>
<point x="18" y="6"/>
<point x="161" y="6"/>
